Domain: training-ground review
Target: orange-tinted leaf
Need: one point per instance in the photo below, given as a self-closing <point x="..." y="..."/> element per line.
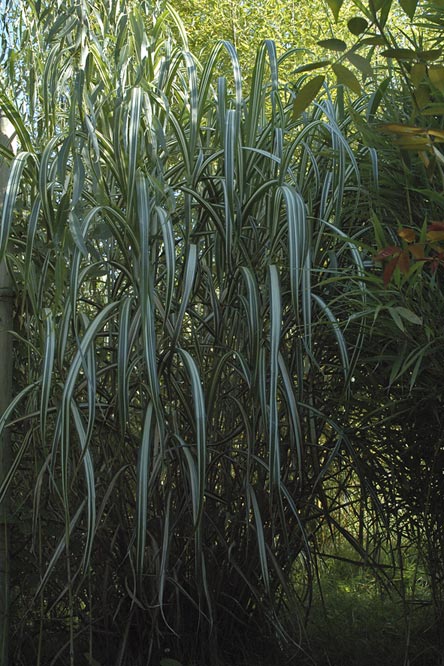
<point x="413" y="142"/>
<point x="387" y="252"/>
<point x="435" y="263"/>
<point x="437" y="134"/>
<point x="417" y="250"/>
<point x="389" y="270"/>
<point x="407" y="234"/>
<point x="404" y="262"/>
<point x="435" y="235"/>
<point x="397" y="128"/>
<point x="435" y="231"/>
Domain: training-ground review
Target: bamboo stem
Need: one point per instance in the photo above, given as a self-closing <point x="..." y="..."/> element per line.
<point x="6" y="323"/>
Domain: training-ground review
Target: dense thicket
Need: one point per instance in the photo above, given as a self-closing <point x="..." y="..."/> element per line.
<point x="213" y="384"/>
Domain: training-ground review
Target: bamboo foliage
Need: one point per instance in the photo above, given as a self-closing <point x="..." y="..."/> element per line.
<point x="182" y="266"/>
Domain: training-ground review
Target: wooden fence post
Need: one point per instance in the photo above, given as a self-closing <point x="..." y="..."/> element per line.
<point x="6" y="323"/>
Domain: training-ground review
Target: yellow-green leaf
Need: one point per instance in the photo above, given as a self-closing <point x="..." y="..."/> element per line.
<point x="402" y="129"/>
<point x="307" y="94"/>
<point x="435" y="109"/>
<point x="408" y="315"/>
<point x="333" y="44"/>
<point x="357" y="25"/>
<point x="417" y="73"/>
<point x="413" y="143"/>
<point x="437" y="134"/>
<point x="345" y="77"/>
<point x="436" y="76"/>
<point x="360" y="63"/>
<point x="422" y="95"/>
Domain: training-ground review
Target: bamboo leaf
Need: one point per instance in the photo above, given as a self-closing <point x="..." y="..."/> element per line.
<point x="307" y="94"/>
<point x="418" y="73"/>
<point x="48" y="363"/>
<point x="333" y="44"/>
<point x="143" y="482"/>
<point x="292" y="409"/>
<point x="123" y="358"/>
<point x="200" y="424"/>
<point x="260" y="536"/>
<point x="361" y="63"/>
<point x="15" y="465"/>
<point x="275" y="336"/>
<point x="68" y="390"/>
<point x="134" y="116"/>
<point x="253" y="316"/>
<point x="430" y="55"/>
<point x="376" y="40"/>
<point x="346" y="78"/>
<point x="59" y="550"/>
<point x="11" y="195"/>
<point x="190" y="272"/>
<point x="436" y="76"/>
<point x="10" y="111"/>
<point x="337" y="332"/>
<point x="409" y="6"/>
<point x="400" y="54"/>
<point x="357" y="25"/>
<point x="409" y="315"/>
<point x="90" y="485"/>
<point x="170" y="257"/>
<point x="297" y="236"/>
<point x="309" y="67"/>
<point x="194" y="479"/>
<point x="335" y="6"/>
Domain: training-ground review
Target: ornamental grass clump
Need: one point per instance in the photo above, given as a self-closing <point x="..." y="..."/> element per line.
<point x="184" y="268"/>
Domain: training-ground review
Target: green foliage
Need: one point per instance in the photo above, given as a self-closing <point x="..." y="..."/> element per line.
<point x="197" y="400"/>
<point x="356" y="619"/>
<point x="294" y="26"/>
<point x="182" y="261"/>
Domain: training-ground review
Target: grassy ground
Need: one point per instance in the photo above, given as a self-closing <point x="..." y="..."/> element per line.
<point x="356" y="621"/>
